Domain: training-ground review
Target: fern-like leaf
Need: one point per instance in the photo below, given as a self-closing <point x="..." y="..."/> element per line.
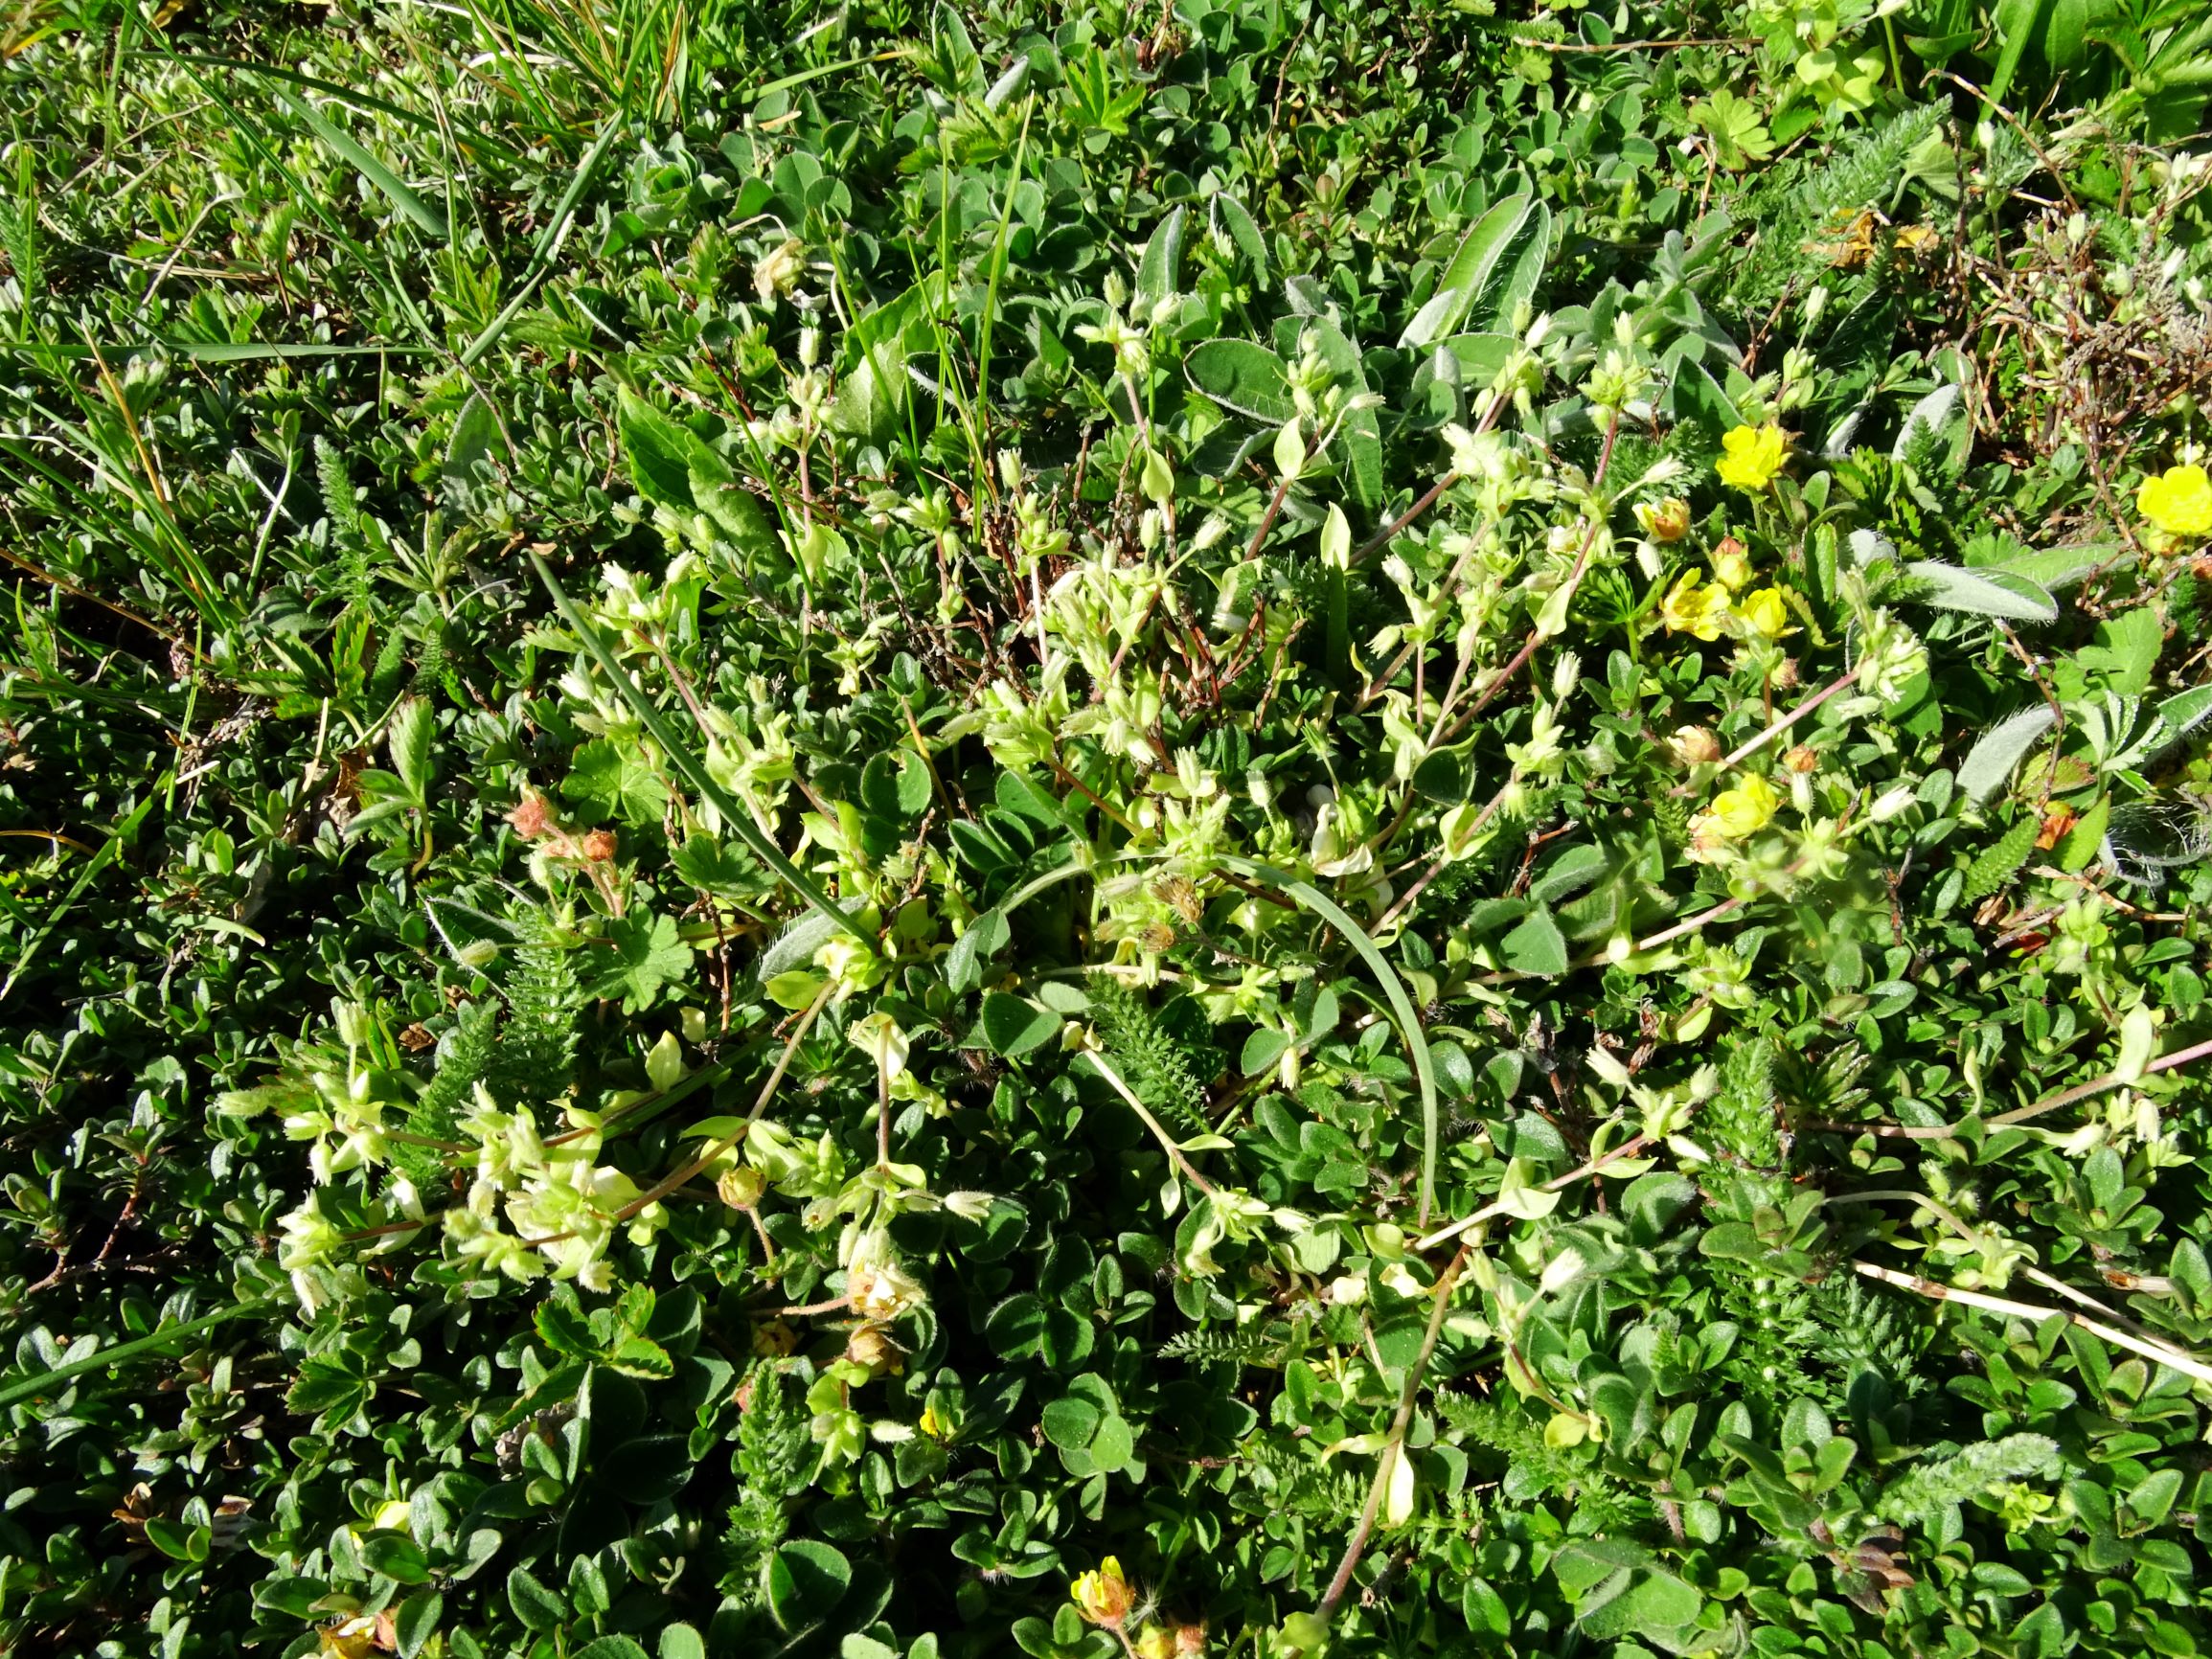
<point x="1792" y="209"/>
<point x="1164" y="1059"/>
<point x="462" y="1059"/>
<point x="1926" y="1495"/>
<point x="1739" y="1117"/>
<point x="545" y="999"/>
<point x="1996" y="864"/>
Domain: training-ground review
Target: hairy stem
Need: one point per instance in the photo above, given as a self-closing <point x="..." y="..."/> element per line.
<point x="1394" y="1447"/>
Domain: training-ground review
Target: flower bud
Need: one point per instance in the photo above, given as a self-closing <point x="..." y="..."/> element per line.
<point x="1695" y="746"/>
<point x="1892" y="803"/>
<point x="599" y="846"/>
<point x="1603" y="1061"/>
<point x="1156" y="477"/>
<point x="1337" y="539"/>
<point x="777" y="272"/>
<point x="969" y="1206"/>
<point x="1731" y="564"/>
<point x="1665" y="520"/>
<point x="1566" y="674"/>
<point x="743" y="1187"/>
<point x="1763" y="615"/>
<point x="1801" y="758"/>
<point x="880" y="1036"/>
<point x="353" y="1021"/>
<point x="1784" y="676"/>
<point x="874" y="1352"/>
<point x="531" y="816"/>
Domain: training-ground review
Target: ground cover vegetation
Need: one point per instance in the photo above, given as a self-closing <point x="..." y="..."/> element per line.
<point x="1233" y="828"/>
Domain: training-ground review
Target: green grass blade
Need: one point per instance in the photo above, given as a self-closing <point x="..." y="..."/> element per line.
<point x="998" y="260"/>
<point x="270" y="151"/>
<point x="98" y="862"/>
<point x="348" y="95"/>
<point x="548" y="242"/>
<point x="347" y="148"/>
<point x="205" y="350"/>
<point x="1401" y="1005"/>
<point x="530" y="92"/>
<point x="150" y="532"/>
<point x="899" y="54"/>
<point x="691" y="766"/>
<point x="46" y="1381"/>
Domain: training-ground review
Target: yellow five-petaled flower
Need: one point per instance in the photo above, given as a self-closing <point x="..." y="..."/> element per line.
<point x="1764" y="614"/>
<point x="1735" y="813"/>
<point x="1694" y="608"/>
<point x="1753" y="456"/>
<point x="1104" y="1597"/>
<point x="2179" y="501"/>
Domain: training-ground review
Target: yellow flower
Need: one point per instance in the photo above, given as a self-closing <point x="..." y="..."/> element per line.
<point x="1754" y="455"/>
<point x="932" y="1424"/>
<point x="1693" y="609"/>
<point x="1744" y="810"/>
<point x="2178" y="501"/>
<point x="396" y="1515"/>
<point x="1667" y="519"/>
<point x="1155" y="1642"/>
<point x="1764" y="614"/>
<point x="354" y="1639"/>
<point x="1104" y="1597"/>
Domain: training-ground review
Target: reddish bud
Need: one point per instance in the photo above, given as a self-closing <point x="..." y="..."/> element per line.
<point x="530" y="818"/>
